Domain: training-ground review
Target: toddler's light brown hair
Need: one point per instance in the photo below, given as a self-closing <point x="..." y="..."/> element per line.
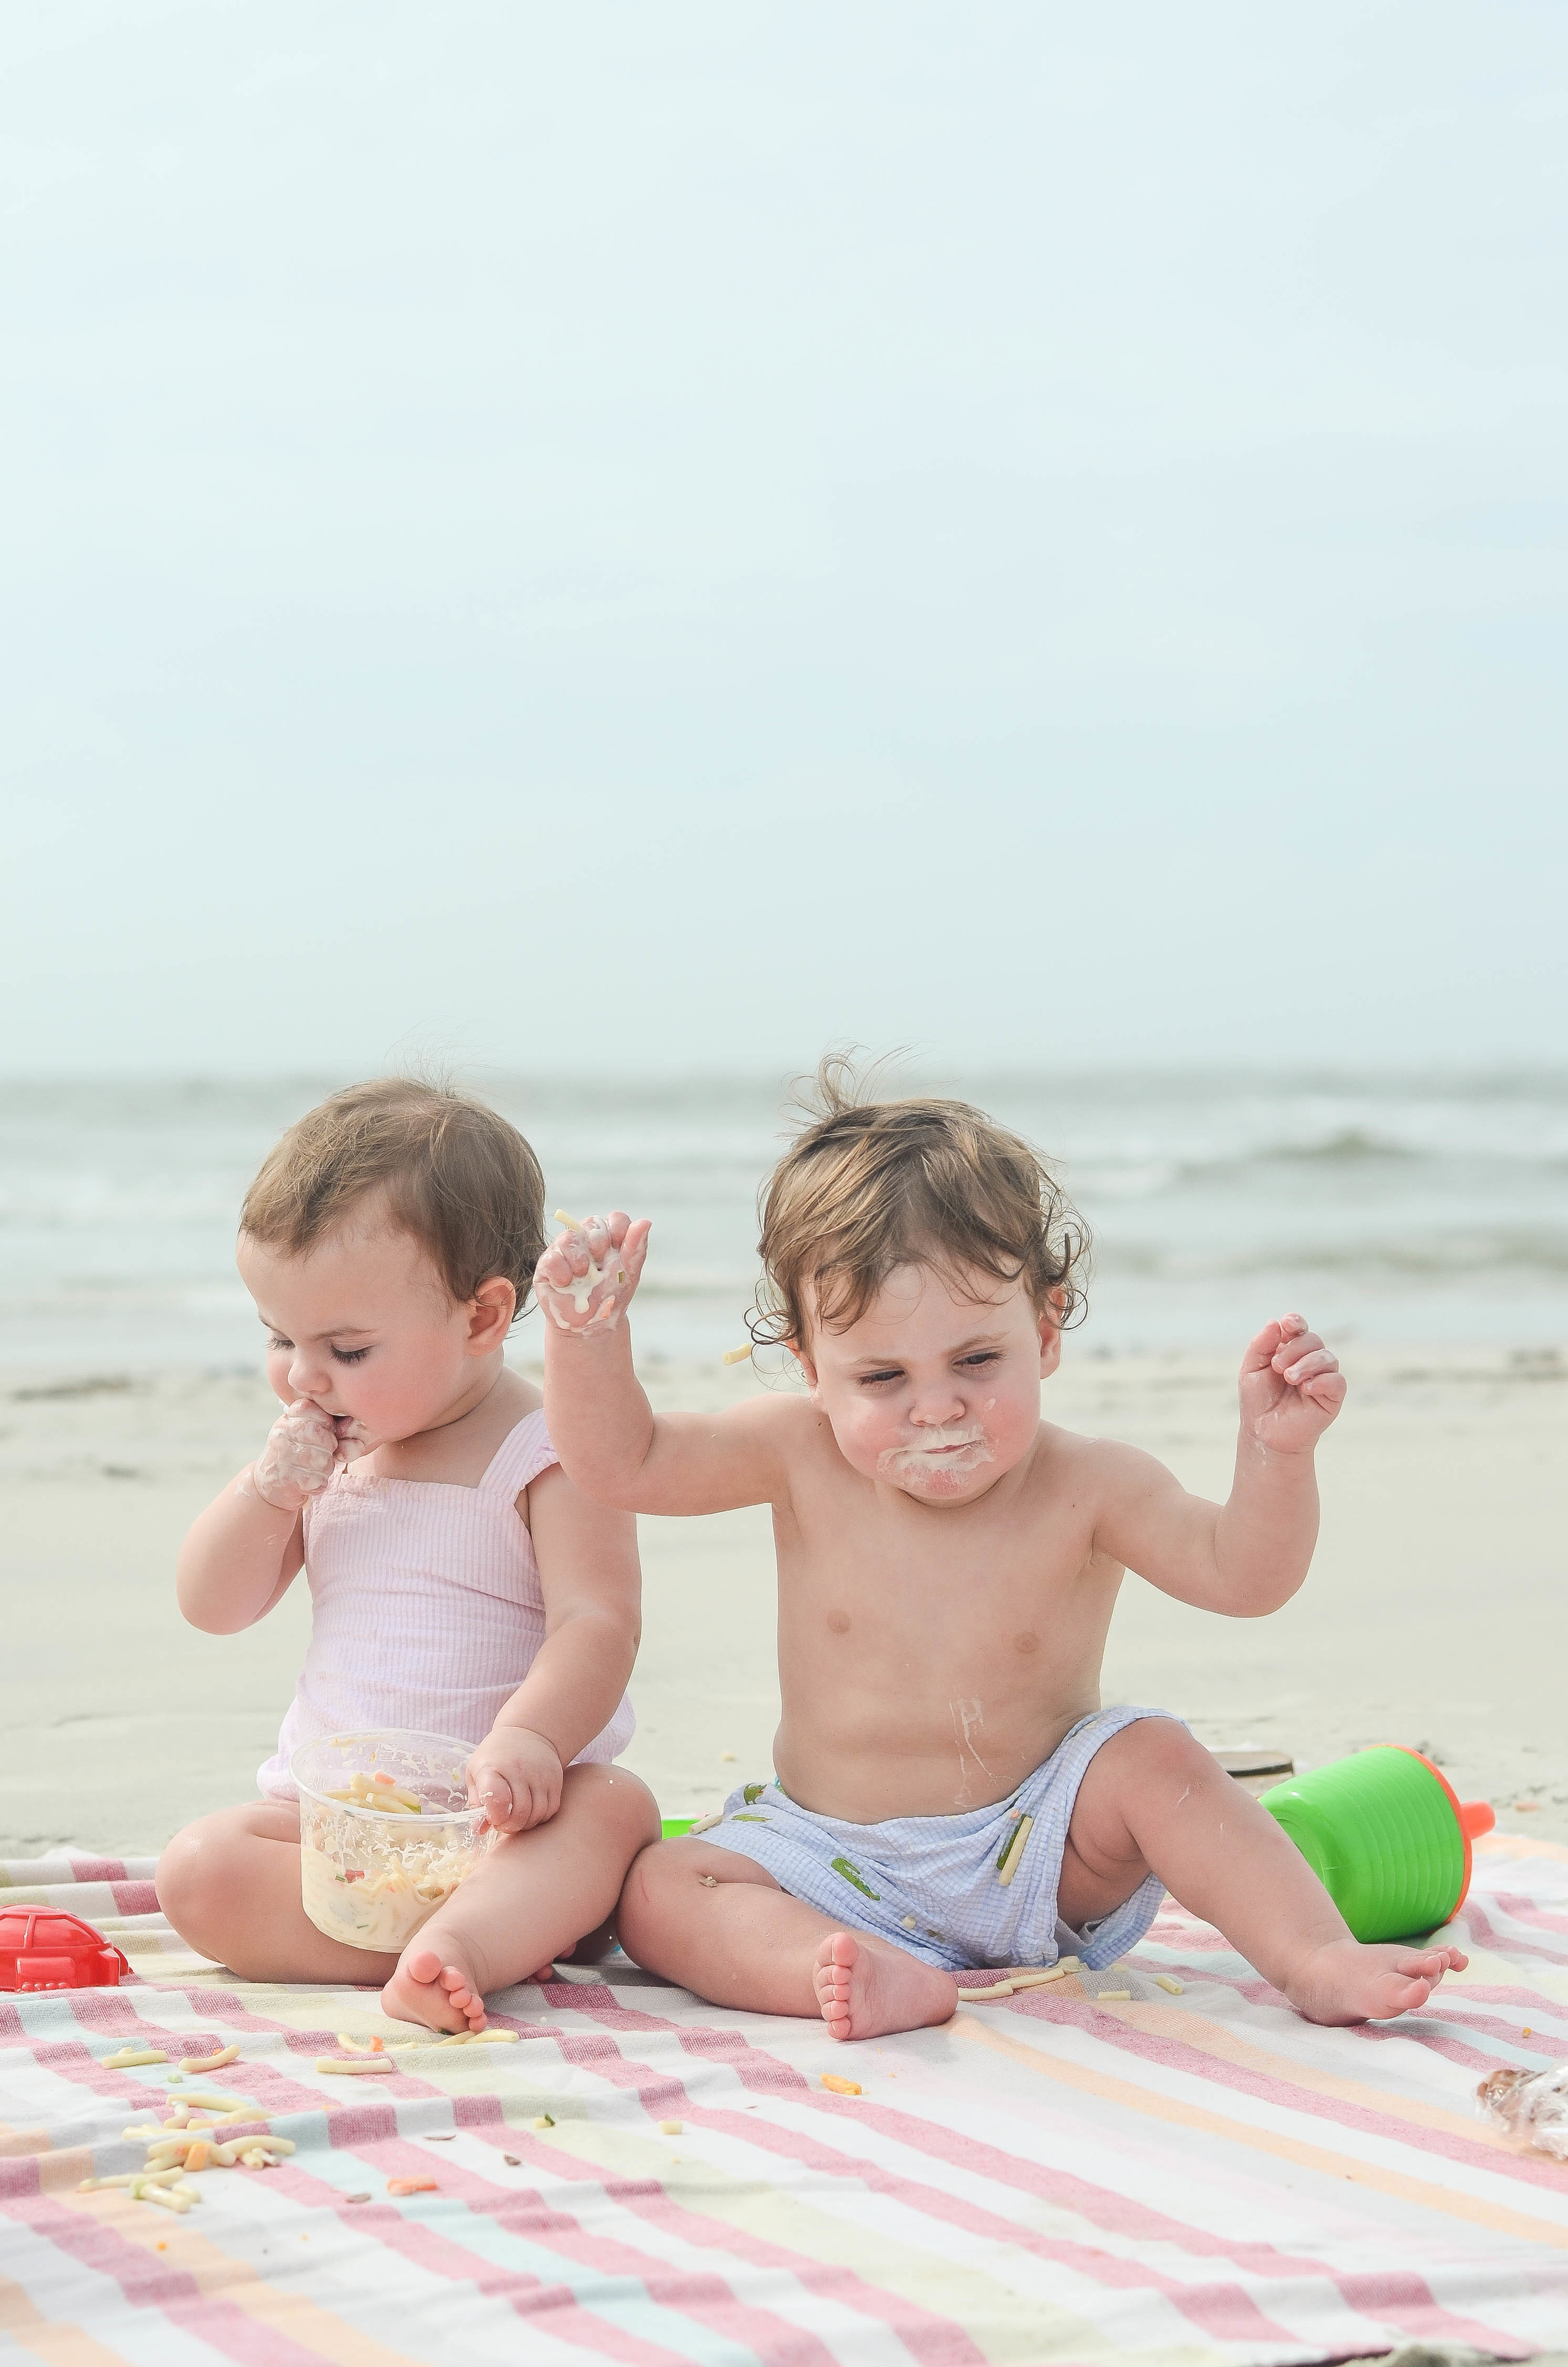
<point x="870" y="1185"/>
<point x="451" y="1172"/>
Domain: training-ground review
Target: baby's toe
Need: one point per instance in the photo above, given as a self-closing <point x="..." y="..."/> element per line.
<point x="422" y="1965"/>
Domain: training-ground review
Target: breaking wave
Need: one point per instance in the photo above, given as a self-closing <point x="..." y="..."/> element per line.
<point x="1409" y="1208"/>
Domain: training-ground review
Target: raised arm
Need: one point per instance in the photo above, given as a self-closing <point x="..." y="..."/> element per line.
<point x="242" y="1555"/>
<point x="610" y="1442"/>
<point x="1248" y="1555"/>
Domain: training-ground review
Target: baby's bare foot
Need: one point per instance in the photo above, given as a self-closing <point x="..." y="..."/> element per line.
<point x="443" y="1995"/>
<point x="863" y="1991"/>
<point x="1343" y="1981"/>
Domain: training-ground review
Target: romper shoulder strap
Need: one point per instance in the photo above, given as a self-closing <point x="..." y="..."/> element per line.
<point x="523" y="1453"/>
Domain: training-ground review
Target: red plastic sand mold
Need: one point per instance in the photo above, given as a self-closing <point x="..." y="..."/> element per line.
<point x="44" y="1948"/>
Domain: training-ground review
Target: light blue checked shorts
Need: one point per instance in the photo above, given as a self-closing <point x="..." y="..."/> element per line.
<point x="960" y="1891"/>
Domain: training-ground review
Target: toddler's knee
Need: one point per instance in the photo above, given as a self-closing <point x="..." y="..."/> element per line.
<point x="646" y="1892"/>
<point x="178" y="1879"/>
<point x="202" y="1876"/>
<point x="622" y="1798"/>
<point x="1162" y="1747"/>
<point x="1152" y="1767"/>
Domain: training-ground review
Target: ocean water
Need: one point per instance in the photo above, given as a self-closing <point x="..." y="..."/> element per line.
<point x="1421" y="1209"/>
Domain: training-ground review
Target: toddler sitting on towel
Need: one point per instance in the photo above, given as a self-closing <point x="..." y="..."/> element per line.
<point x="948" y="1792"/>
<point x="460" y="1582"/>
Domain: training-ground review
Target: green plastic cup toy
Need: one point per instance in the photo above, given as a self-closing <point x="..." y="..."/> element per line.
<point x="1387" y="1837"/>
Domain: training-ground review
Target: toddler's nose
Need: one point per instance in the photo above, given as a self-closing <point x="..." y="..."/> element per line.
<point x="934" y="1408"/>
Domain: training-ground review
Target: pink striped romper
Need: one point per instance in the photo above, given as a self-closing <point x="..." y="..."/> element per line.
<point x="427" y="1609"/>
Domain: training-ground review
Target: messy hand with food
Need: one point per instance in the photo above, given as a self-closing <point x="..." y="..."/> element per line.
<point x="304" y="1447"/>
<point x="515" y="1776"/>
<point x="588" y="1274"/>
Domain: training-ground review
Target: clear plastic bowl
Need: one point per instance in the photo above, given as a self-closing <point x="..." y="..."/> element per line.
<point x="371" y="1876"/>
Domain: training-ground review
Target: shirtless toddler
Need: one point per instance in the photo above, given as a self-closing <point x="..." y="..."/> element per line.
<point x="948" y="1791"/>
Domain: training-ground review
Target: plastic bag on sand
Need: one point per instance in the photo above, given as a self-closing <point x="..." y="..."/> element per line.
<point x="1533" y="2105"/>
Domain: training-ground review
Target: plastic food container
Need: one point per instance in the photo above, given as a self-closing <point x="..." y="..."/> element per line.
<point x="371" y="1875"/>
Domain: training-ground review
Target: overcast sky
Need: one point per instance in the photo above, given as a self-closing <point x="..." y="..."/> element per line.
<point x="669" y="536"/>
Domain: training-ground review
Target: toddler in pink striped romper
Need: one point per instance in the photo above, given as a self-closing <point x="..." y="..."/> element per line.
<point x="458" y="1581"/>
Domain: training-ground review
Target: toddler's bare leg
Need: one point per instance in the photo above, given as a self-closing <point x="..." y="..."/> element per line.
<point x="230" y="1884"/>
<point x="531" y="1900"/>
<point x="720" y="1925"/>
<point x="1153" y="1801"/>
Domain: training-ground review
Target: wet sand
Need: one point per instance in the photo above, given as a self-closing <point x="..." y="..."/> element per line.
<point x="1437" y="1612"/>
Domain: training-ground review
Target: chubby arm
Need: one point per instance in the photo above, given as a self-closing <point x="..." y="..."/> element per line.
<point x="592" y="1584"/>
<point x="242" y="1555"/>
<point x="608" y="1436"/>
<point x="1248" y="1555"/>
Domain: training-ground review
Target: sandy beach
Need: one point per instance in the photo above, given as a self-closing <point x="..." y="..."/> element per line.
<point x="1437" y="1612"/>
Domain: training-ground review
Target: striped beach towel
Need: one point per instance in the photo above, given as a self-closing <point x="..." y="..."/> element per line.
<point x="643" y="2179"/>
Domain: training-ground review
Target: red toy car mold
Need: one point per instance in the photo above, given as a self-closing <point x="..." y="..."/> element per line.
<point x="44" y="1948"/>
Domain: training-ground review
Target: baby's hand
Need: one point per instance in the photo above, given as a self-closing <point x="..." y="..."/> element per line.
<point x="1291" y="1386"/>
<point x="590" y="1271"/>
<point x="514" y="1776"/>
<point x="304" y="1449"/>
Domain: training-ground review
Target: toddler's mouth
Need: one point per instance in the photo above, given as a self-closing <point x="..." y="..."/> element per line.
<point x="956" y="1447"/>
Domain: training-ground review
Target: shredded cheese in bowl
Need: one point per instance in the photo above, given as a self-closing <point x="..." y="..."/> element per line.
<point x="386" y="1833"/>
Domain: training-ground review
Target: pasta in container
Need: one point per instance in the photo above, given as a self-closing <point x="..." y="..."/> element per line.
<point x="386" y="1833"/>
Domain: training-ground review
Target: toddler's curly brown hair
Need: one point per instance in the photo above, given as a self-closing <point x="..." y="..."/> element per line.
<point x="870" y="1185"/>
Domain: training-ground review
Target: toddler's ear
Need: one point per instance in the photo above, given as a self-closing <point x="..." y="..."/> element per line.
<point x="1049" y="1342"/>
<point x="494" y="1305"/>
<point x="808" y="1371"/>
